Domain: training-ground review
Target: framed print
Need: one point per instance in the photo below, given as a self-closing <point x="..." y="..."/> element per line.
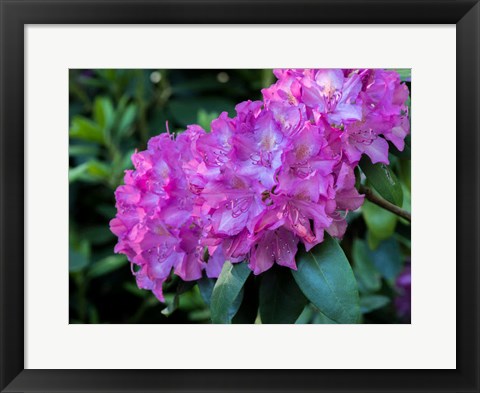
<point x="218" y="197"/>
<point x="240" y="188"/>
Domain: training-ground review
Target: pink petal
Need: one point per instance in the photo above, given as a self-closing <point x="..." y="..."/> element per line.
<point x="285" y="248"/>
<point x="263" y="256"/>
<point x="377" y="150"/>
<point x="215" y="263"/>
<point x="189" y="268"/>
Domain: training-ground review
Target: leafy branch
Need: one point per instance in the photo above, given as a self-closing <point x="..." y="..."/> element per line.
<point x="372" y="197"/>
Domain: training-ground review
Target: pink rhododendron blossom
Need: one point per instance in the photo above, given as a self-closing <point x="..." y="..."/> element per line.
<point x="279" y="173"/>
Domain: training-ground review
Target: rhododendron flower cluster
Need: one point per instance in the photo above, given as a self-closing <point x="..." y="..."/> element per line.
<point x="279" y="173"/>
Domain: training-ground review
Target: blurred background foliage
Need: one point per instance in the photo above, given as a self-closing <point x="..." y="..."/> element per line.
<point x="112" y="113"/>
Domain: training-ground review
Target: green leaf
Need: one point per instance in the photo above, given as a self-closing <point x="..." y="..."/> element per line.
<point x="388" y="259"/>
<point x="267" y="77"/>
<point x="205" y="285"/>
<point x="172" y="302"/>
<point x="86" y="130"/>
<point x="185" y="110"/>
<point x="321" y="318"/>
<point x="406" y="173"/>
<point x="248" y="310"/>
<point x="368" y="277"/>
<point x="93" y="316"/>
<point x="236" y="305"/>
<point x="83" y="150"/>
<point x="281" y="301"/>
<point x="383" y="180"/>
<point x="190" y="300"/>
<point x="107" y="265"/>
<point x="90" y="171"/>
<point x="98" y="234"/>
<point x="106" y="210"/>
<point x="404" y="73"/>
<point x="372" y="241"/>
<point x="380" y="222"/>
<point x="103" y="112"/>
<point x="104" y="115"/>
<point x="373" y="302"/>
<point x="78" y="173"/>
<point x="98" y="169"/>
<point x="325" y="277"/>
<point x="306" y="315"/>
<point x="110" y="75"/>
<point x="200" y="316"/>
<point x="126" y="120"/>
<point x="226" y="291"/>
<point x="205" y="118"/>
<point x="78" y="256"/>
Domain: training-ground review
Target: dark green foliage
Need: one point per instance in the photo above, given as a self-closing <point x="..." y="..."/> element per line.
<point x="227" y="293"/>
<point x="384" y="180"/>
<point x="281" y="300"/>
<point x="325" y="277"/>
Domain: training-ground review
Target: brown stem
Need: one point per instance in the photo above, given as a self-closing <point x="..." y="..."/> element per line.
<point x="385" y="204"/>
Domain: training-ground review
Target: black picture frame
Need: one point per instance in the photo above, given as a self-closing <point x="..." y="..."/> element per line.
<point x="15" y="14"/>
